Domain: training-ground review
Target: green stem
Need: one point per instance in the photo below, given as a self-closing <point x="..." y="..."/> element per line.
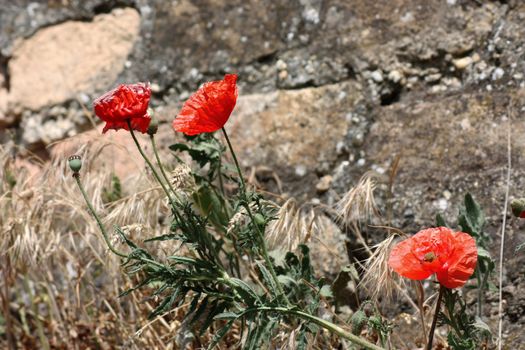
<point x="153" y="170"/>
<point x="434" y="320"/>
<point x="248" y="210"/>
<point x="155" y="151"/>
<point x="97" y="219"/>
<point x="322" y="323"/>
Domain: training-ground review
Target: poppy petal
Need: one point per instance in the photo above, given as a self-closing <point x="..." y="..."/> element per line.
<point x="461" y="263"/>
<point x="140" y="124"/>
<point x="403" y="261"/>
<point x="126" y="102"/>
<point x="208" y="109"/>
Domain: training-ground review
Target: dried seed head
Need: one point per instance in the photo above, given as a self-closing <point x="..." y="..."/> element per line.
<point x="181" y="177"/>
<point x="291" y="227"/>
<point x="240" y="218"/>
<point x="379" y="278"/>
<point x="285" y="231"/>
<point x="358" y="204"/>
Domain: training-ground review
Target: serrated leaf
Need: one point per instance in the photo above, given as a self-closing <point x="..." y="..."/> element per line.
<point x="471" y="218"/>
<point x="246" y="290"/>
<point x="481" y="327"/>
<point x="286" y="280"/>
<point x="267" y="277"/>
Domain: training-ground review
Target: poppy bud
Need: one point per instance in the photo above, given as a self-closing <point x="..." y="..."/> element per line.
<point x="518" y="207"/>
<point x="259" y="219"/>
<point x="358" y="321"/>
<point x="75" y="163"/>
<point x="153" y="126"/>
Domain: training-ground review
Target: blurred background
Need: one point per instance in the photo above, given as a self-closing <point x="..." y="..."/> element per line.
<point x="427" y="96"/>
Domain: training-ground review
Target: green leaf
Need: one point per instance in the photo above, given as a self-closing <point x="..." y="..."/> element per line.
<point x="481" y="327"/>
<point x="358" y="321"/>
<point x="246" y="291"/>
<point x="326" y="291"/>
<point x="193" y="304"/>
<point x="267" y="277"/>
<point x="215" y="309"/>
<point x="165" y="304"/>
<point x="471" y="218"/>
<point x="200" y="311"/>
<point x="352" y="271"/>
<point x="286" y="280"/>
<point x="440" y="221"/>
<point x="228" y="315"/>
<point x="220" y="334"/>
<point x="166" y="237"/>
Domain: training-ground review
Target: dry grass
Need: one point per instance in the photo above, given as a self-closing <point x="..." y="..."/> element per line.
<point x="58" y="281"/>
<point x="61" y="282"/>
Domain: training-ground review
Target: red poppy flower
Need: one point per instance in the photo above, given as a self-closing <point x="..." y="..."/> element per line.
<point x="451" y="255"/>
<point x="126" y="102"/>
<point x="209" y="108"/>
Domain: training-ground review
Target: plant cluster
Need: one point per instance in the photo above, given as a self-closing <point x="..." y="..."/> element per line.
<point x="224" y="270"/>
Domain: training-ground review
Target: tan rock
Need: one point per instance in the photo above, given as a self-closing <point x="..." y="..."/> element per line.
<point x="292" y="129"/>
<point x="462" y="63"/>
<point x="324" y="184"/>
<point x="60" y="61"/>
<point x="4" y="118"/>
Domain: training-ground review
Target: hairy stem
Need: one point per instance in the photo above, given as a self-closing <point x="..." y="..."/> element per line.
<point x="434" y="320"/>
<point x="332" y="327"/>
<point x="161" y="167"/>
<point x="97" y="219"/>
<point x="153" y="170"/>
<point x="266" y="256"/>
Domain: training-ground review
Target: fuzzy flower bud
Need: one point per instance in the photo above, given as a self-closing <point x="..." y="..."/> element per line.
<point x="75" y="163"/>
<point x="153" y="126"/>
<point x="518" y="207"/>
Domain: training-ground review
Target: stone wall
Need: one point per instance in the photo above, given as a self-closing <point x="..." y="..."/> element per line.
<point x="330" y="89"/>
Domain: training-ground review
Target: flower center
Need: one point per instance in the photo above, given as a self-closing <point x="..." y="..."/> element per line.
<point x="429" y="257"/>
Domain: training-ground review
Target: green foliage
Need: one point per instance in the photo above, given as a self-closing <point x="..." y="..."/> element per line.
<point x="209" y="277"/>
<point x="369" y="317"/>
<point x="10" y="178"/>
<point x="467" y="332"/>
<point x="205" y="150"/>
